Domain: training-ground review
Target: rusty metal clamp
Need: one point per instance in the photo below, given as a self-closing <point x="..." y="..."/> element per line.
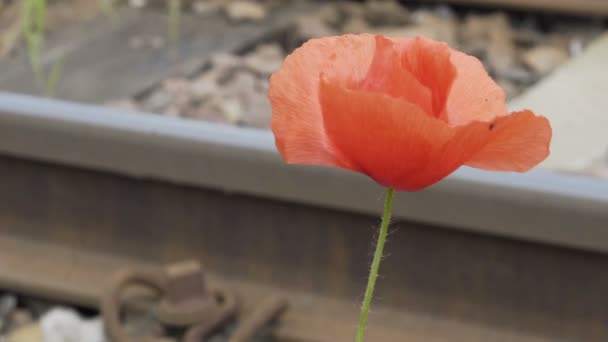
<point x="266" y="312"/>
<point x="186" y="300"/>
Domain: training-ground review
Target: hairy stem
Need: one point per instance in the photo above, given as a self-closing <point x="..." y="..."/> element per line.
<point x="373" y="274"/>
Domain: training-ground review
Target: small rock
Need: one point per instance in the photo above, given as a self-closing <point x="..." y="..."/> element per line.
<point x="489" y="36"/>
<point x="231" y="109"/>
<point x="253" y="104"/>
<point x="140" y="324"/>
<point x="29" y="333"/>
<point x="329" y="14"/>
<point x="157" y="101"/>
<point x="266" y="59"/>
<point x="173" y="110"/>
<point x="258" y="111"/>
<point x="351" y="9"/>
<point x="269" y="51"/>
<point x="313" y="26"/>
<point x="598" y="166"/>
<point x="126" y="104"/>
<point x="519" y="75"/>
<point x="140" y="42"/>
<point x="511" y="90"/>
<point x="430" y="27"/>
<point x="156" y="42"/>
<point x="473" y="35"/>
<point x="544" y="59"/>
<point x="500" y="51"/>
<point x="65" y="325"/>
<point x="558" y="41"/>
<point x="435" y="27"/>
<point x="11" y="26"/>
<point x="137" y="3"/>
<point x="223" y="66"/>
<point x="219" y="108"/>
<point x="202" y="7"/>
<point x="226" y="60"/>
<point x="597" y="169"/>
<point x="217" y="338"/>
<point x="176" y="86"/>
<point x="136" y="42"/>
<point x="178" y="91"/>
<point x="203" y="87"/>
<point x="246" y="10"/>
<point x="527" y="37"/>
<point x="261" y="86"/>
<point x="407" y="31"/>
<point x="444" y="12"/>
<point x="19" y="318"/>
<point x="8" y="303"/>
<point x="386" y="12"/>
<point x="498" y="25"/>
<point x="37" y="307"/>
<point x="356" y="25"/>
<point x="576" y="46"/>
<point x="243" y="82"/>
<point x="500" y="56"/>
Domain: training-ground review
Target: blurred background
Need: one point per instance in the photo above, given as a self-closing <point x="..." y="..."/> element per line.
<point x="134" y="138"/>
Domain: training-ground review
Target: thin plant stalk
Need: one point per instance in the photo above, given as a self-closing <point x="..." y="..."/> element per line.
<point x="107" y="7"/>
<point x="34" y="27"/>
<point x="53" y="78"/>
<point x="175" y="12"/>
<point x="373" y="274"/>
<point x="34" y="24"/>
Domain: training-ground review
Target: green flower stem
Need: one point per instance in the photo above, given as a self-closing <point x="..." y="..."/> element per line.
<point x="175" y="10"/>
<point x="373" y="273"/>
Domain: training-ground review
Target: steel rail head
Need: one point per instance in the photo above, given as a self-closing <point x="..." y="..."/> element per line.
<point x="541" y="206"/>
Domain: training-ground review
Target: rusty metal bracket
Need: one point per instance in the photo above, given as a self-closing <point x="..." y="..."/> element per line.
<point x="268" y="311"/>
<point x="186" y="300"/>
<point x="197" y="332"/>
<point x="111" y="303"/>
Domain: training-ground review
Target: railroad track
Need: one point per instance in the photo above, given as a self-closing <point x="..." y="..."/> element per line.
<point x="581" y="7"/>
<point x="65" y="229"/>
<point x="477" y="258"/>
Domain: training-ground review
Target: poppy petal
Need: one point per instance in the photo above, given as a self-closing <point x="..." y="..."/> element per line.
<point x="518" y="142"/>
<point x="387" y="75"/>
<point x="389" y="139"/>
<point x="461" y="146"/>
<point x="474" y="96"/>
<point x="296" y="114"/>
<point x="406" y="112"/>
<point x="429" y="61"/>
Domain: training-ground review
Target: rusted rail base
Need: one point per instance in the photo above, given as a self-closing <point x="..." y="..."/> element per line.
<point x="80" y="277"/>
<point x="63" y="230"/>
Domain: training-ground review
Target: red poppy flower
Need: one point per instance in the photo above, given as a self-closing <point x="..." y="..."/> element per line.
<point x="406" y="112"/>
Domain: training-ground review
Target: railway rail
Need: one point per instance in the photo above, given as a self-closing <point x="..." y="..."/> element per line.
<point x="584" y="7"/>
<point x="86" y="195"/>
<point x="89" y="193"/>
